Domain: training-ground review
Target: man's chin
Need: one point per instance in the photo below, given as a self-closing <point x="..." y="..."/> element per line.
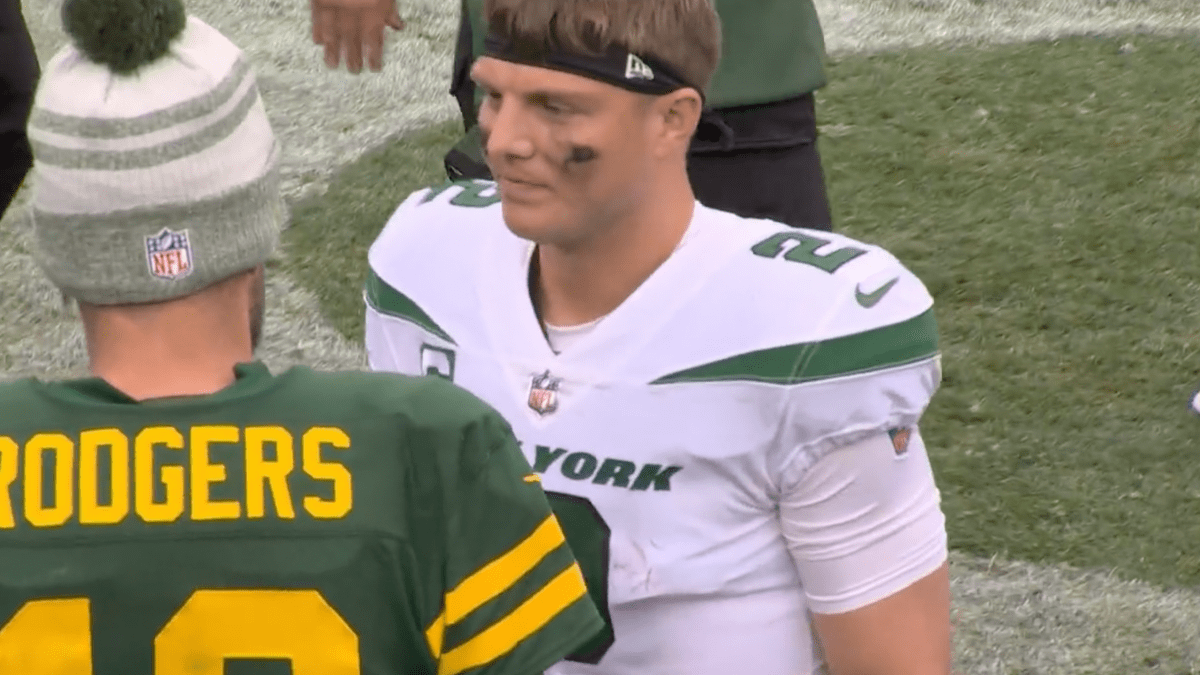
<point x="529" y="223"/>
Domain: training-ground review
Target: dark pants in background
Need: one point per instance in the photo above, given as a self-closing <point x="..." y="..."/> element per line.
<point x="761" y="161"/>
<point x="784" y="184"/>
<point x="18" y="81"/>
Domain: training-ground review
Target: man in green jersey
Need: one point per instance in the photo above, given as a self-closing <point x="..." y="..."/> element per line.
<point x="755" y="150"/>
<point x="186" y="511"/>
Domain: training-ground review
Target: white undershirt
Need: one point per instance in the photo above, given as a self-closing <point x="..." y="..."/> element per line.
<point x="562" y="337"/>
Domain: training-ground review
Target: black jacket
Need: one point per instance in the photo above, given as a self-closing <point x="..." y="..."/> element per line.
<point x="19" y="70"/>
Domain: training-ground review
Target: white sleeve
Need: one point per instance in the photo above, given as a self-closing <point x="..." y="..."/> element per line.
<point x="391" y="344"/>
<point x="863" y="522"/>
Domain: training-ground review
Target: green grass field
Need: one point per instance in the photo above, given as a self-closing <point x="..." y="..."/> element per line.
<point x="1047" y="194"/>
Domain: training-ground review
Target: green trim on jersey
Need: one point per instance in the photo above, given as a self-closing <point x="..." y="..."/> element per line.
<point x="392" y="302"/>
<point x="890" y="346"/>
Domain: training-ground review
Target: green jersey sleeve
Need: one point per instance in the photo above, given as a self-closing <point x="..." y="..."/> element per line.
<point x="513" y="598"/>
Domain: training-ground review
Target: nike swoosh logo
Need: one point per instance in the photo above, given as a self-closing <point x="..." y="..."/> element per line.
<point x="533" y="478"/>
<point x="871" y="299"/>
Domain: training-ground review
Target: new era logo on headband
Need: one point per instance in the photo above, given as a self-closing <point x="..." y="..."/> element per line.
<point x="616" y="65"/>
<point x="636" y="69"/>
<point x="169" y="254"/>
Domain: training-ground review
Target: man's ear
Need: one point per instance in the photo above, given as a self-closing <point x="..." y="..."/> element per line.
<point x="680" y="114"/>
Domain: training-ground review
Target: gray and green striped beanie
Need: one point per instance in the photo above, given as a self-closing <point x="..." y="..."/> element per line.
<point x="152" y="179"/>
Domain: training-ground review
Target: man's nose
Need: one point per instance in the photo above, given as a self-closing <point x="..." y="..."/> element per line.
<point x="506" y="131"/>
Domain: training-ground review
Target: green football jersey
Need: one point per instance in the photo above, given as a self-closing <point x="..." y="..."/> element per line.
<point x="306" y="523"/>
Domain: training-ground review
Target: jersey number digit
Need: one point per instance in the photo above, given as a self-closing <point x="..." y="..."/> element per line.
<point x="588" y="536"/>
<point x="805" y="251"/>
<point x="473" y="195"/>
<point x="53" y="637"/>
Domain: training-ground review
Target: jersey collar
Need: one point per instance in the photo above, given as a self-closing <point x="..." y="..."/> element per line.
<point x="515" y="332"/>
<point x="251" y="378"/>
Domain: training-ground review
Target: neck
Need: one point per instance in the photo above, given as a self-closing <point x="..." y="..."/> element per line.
<point x="582" y="283"/>
<point x="172" y="354"/>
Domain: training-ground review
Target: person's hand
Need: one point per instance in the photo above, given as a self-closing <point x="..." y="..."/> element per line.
<point x="346" y="27"/>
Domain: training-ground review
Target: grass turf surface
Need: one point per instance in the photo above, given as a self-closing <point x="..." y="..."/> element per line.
<point x="1046" y="193"/>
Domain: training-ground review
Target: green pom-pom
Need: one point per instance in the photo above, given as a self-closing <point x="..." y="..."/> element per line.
<point x="124" y="34"/>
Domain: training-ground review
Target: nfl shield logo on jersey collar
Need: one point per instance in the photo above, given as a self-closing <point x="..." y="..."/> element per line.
<point x="169" y="254"/>
<point x="543" y="393"/>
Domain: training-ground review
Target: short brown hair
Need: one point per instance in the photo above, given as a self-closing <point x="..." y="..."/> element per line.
<point x="684" y="35"/>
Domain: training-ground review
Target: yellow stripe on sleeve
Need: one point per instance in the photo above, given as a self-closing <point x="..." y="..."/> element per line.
<point x="434" y="635"/>
<point x="500" y="574"/>
<point x="503" y="636"/>
<point x="494" y="578"/>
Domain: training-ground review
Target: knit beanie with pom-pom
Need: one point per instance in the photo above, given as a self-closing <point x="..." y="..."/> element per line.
<point x="155" y="166"/>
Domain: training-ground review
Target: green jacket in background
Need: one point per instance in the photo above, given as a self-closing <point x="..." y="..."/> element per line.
<point x="772" y="50"/>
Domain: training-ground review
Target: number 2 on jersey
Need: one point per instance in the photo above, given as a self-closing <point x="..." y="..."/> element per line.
<point x="805" y="251"/>
<point x="472" y="195"/>
<point x="54" y="637"/>
<point x="588" y="536"/>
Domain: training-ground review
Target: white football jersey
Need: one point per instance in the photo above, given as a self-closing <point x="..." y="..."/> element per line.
<point x="662" y="434"/>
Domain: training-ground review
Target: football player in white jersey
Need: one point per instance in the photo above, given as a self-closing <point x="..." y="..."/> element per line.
<point x="723" y="411"/>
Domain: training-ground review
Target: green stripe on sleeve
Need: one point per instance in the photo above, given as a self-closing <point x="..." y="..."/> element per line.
<point x="890" y="346"/>
<point x="394" y="303"/>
